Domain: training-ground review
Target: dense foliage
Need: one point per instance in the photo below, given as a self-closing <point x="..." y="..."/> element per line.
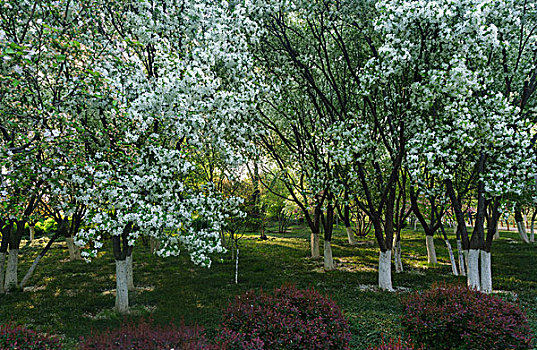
<point x="291" y="318"/>
<point x="455" y="317"/>
<point x="18" y="337"/>
<point x="145" y="335"/>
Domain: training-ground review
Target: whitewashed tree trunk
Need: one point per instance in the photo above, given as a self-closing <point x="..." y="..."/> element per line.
<point x="462" y="263"/>
<point x="11" y="270"/>
<point x="415" y="223"/>
<point x="452" y="259"/>
<point x="122" y="290"/>
<point x="497" y="233"/>
<point x="2" y="271"/>
<point x="237" y="267"/>
<point x="486" y="272"/>
<point x="130" y="274"/>
<point x="32" y="232"/>
<point x="522" y="232"/>
<point x="397" y="256"/>
<point x="30" y="272"/>
<point x="532" y="232"/>
<point x="315" y="252"/>
<point x="473" y="269"/>
<point x="466" y="253"/>
<point x="350" y="236"/>
<point x="385" y="270"/>
<point x="431" y="252"/>
<point x="328" y="259"/>
<point x="71" y="247"/>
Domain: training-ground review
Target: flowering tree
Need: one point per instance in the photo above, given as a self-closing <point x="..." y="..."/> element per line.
<point x="45" y="86"/>
<point x="182" y="80"/>
<point x="463" y="120"/>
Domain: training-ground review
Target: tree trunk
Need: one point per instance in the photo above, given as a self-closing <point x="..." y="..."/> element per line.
<point x="350" y="235"/>
<point x="532" y="234"/>
<point x="486" y="272"/>
<point x="154" y="243"/>
<point x="315" y="252"/>
<point x="32" y="232"/>
<point x="385" y="270"/>
<point x="237" y="265"/>
<point x="328" y="259"/>
<point x="122" y="290"/>
<point x="130" y="278"/>
<point x="462" y="263"/>
<point x="431" y="252"/>
<point x="397" y="257"/>
<point x="452" y="259"/>
<point x="2" y="270"/>
<point x="522" y="231"/>
<point x="473" y="269"/>
<point x="497" y="233"/>
<point x="71" y="248"/>
<point x="32" y="268"/>
<point x="30" y="272"/>
<point x="10" y="282"/>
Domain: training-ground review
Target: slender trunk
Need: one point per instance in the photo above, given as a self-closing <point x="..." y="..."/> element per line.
<point x="237" y="265"/>
<point x="43" y="252"/>
<point x="431" y="251"/>
<point x="32" y="232"/>
<point x="155" y="245"/>
<point x="522" y="231"/>
<point x="71" y="248"/>
<point x="486" y="272"/>
<point x="30" y="272"/>
<point x="122" y="290"/>
<point x="473" y="269"/>
<point x="452" y="259"/>
<point x="462" y="263"/>
<point x="532" y="233"/>
<point x="2" y="270"/>
<point x="461" y="223"/>
<point x="10" y="282"/>
<point x="328" y="259"/>
<point x="315" y="252"/>
<point x="385" y="270"/>
<point x="350" y="235"/>
<point x="497" y="233"/>
<point x="397" y="256"/>
<point x="466" y="253"/>
<point x="130" y="278"/>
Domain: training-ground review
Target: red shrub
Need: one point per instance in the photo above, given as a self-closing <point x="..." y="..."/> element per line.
<point x="147" y="336"/>
<point x="396" y="345"/>
<point x="455" y="317"/>
<point x="21" y="338"/>
<point x="291" y="319"/>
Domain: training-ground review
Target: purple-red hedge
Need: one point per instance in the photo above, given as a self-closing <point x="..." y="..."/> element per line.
<point x="290" y="319"/>
<point x="455" y="317"/>
<point x="147" y="336"/>
<point x="22" y="338"/>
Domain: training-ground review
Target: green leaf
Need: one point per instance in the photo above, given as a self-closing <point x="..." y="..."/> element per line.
<point x="60" y="58"/>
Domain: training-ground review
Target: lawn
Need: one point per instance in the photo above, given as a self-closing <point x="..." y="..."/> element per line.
<point x="73" y="299"/>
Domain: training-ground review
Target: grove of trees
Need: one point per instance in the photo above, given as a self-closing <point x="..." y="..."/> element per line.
<point x="174" y="120"/>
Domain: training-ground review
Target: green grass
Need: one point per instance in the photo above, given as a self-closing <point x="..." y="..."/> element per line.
<point x="75" y="298"/>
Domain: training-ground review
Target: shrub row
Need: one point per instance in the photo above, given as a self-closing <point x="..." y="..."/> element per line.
<point x="444" y="317"/>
